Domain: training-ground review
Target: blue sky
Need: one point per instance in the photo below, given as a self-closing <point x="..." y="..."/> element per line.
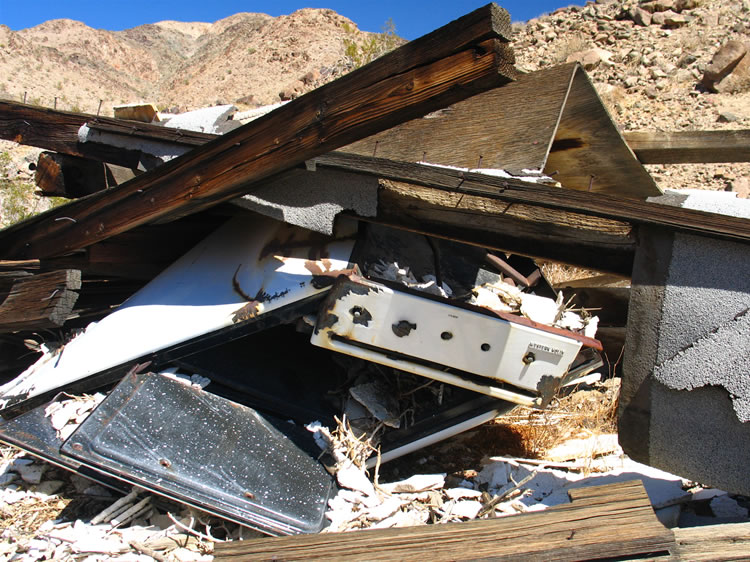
<point x="412" y="19"/>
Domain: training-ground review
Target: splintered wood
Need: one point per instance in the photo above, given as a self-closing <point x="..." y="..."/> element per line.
<point x="39" y="301"/>
<point x="581" y="530"/>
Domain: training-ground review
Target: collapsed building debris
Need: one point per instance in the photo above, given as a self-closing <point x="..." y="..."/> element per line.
<point x="257" y="322"/>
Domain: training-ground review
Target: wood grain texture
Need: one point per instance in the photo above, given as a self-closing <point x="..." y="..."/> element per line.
<point x="508" y="227"/>
<point x="57" y="131"/>
<point x="685" y="147"/>
<point x="63" y="175"/>
<point x="589" y="153"/>
<point x="499" y="129"/>
<point x="148" y="131"/>
<point x="40" y="301"/>
<point x="396" y="88"/>
<point x="720" y="543"/>
<point x="510" y="190"/>
<point x="601" y="522"/>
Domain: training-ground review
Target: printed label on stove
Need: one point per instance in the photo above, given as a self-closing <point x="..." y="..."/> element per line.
<point x="542" y="352"/>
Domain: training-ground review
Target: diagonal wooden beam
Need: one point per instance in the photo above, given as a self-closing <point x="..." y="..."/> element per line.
<point x="463" y="58"/>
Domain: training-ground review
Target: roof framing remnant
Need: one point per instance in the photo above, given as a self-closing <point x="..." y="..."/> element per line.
<point x="461" y="59"/>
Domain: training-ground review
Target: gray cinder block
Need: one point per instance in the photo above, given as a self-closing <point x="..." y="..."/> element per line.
<point x="685" y="402"/>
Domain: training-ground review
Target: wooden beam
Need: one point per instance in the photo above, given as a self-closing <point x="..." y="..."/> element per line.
<point x="686" y="147"/>
<point x="509" y="190"/>
<point x="528" y="230"/>
<point x="613" y="521"/>
<point x="445" y="66"/>
<point x="40" y="301"/>
<point x="58" y="131"/>
<point x="68" y="176"/>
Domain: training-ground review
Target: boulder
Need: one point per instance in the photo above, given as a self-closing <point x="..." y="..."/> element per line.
<point x="673" y="19"/>
<point x="311" y="77"/>
<point x="681" y="5"/>
<point x="725" y="62"/>
<point x="640" y="16"/>
<point x="741" y="186"/>
<point x="590" y="58"/>
<point x="658" y="6"/>
<point x="657" y="18"/>
<point x="291" y="91"/>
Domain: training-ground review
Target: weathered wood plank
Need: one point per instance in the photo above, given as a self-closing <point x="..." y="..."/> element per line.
<point x="57" y="131"/>
<point x="498" y="129"/>
<point x="601" y="522"/>
<point x="730" y="541"/>
<point x="685" y="147"/>
<point x="589" y="153"/>
<point x="401" y="85"/>
<point x="149" y="131"/>
<point x="63" y="175"/>
<point x="510" y="190"/>
<point x="40" y="301"/>
<point x="528" y="230"/>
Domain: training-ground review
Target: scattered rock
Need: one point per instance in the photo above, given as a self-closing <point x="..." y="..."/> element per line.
<point x="658" y="6"/>
<point x="31" y="473"/>
<point x="724" y="61"/>
<point x="591" y="58"/>
<point x="311" y="78"/>
<point x="658" y="18"/>
<point x="639" y="16"/>
<point x="673" y="19"/>
<point x="49" y="487"/>
<point x="741" y="186"/>
<point x="727" y="117"/>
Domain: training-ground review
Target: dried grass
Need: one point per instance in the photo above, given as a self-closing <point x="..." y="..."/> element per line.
<point x="579" y="414"/>
<point x="558" y="273"/>
<point x="570" y="46"/>
<point x="23" y="518"/>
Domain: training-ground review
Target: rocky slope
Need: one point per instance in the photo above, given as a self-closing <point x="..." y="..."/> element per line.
<point x="244" y="59"/>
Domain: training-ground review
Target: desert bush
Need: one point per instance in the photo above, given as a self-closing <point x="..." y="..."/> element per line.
<point x="363" y="51"/>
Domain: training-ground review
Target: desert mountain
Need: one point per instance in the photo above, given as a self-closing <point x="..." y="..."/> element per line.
<point x="243" y="59"/>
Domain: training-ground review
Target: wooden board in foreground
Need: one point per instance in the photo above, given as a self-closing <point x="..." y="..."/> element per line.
<point x="730" y="541"/>
<point x="610" y="521"/>
<point x="589" y="153"/>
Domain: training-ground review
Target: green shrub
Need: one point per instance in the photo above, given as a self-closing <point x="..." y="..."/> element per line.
<point x="363" y="51"/>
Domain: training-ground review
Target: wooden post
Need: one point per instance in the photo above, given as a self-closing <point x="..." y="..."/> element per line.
<point x="40" y="301"/>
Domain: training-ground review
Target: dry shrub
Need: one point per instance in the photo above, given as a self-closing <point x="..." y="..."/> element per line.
<point x="568" y="47"/>
<point x="613" y="98"/>
<point x="579" y="414"/>
<point x="558" y="273"/>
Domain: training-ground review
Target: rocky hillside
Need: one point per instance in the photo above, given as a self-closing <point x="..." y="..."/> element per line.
<point x="245" y="59"/>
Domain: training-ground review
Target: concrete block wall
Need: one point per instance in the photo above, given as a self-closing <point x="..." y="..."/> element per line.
<point x="685" y="402"/>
